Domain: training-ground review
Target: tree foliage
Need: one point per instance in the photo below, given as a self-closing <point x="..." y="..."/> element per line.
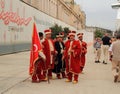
<point x="56" y="29"/>
<point x="66" y="30"/>
<point x="98" y="33"/>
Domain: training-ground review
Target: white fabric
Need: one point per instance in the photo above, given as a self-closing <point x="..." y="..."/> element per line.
<point x="42" y="55"/>
<point x="51" y="45"/>
<point x="51" y="49"/>
<point x="70" y="47"/>
<point x="42" y="40"/>
<point x="61" y="46"/>
<point x="110" y="48"/>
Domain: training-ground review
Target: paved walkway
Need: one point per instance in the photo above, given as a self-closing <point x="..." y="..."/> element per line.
<point x="97" y="78"/>
<point x="13" y="70"/>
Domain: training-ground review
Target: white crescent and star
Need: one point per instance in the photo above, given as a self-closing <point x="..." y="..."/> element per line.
<point x="35" y="47"/>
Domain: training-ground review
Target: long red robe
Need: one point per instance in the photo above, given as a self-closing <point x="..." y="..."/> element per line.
<point x="47" y="52"/>
<point x="72" y="60"/>
<point x="84" y="51"/>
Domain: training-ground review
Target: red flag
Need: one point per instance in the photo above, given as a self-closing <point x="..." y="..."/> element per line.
<point x="35" y="48"/>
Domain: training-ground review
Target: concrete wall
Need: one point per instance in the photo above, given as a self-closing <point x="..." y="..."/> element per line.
<point x="16" y="24"/>
<point x="88" y="37"/>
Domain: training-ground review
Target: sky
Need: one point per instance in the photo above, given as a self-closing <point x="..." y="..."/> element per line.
<point x="99" y="13"/>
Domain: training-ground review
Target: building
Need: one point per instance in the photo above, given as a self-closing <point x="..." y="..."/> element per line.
<point x="17" y="18"/>
<point x="117" y="6"/>
<point x="64" y="10"/>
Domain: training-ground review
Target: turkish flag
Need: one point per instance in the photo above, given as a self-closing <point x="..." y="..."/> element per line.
<point x="35" y="48"/>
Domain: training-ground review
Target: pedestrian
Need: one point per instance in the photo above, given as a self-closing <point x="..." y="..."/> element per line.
<point x="106" y="43"/>
<point x="72" y="58"/>
<point x="50" y="52"/>
<point x="84" y="50"/>
<point x="97" y="49"/>
<point x="59" y="68"/>
<point x="113" y="39"/>
<point x="115" y="58"/>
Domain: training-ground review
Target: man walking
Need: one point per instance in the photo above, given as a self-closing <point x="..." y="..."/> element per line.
<point x="116" y="58"/>
<point x="105" y="47"/>
<point x="97" y="50"/>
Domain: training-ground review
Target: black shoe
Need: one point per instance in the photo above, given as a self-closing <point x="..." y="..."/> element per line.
<point x="98" y="61"/>
<point x="104" y="62"/>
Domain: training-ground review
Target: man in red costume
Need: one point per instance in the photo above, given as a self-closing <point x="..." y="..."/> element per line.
<point x="72" y="57"/>
<point x="49" y="51"/>
<point x="84" y="50"/>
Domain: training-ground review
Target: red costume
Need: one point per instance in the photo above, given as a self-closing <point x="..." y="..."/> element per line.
<point x="49" y="51"/>
<point x="84" y="51"/>
<point x="72" y="59"/>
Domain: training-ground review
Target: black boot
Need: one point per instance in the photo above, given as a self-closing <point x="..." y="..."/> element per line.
<point x="104" y="62"/>
<point x="98" y="61"/>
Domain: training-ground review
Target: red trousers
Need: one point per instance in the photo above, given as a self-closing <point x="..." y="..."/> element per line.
<point x="70" y="76"/>
<point x="83" y="60"/>
<point x="63" y="75"/>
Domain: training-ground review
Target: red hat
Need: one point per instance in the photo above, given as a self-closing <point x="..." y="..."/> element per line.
<point x="79" y="35"/>
<point x="48" y="31"/>
<point x="72" y="33"/>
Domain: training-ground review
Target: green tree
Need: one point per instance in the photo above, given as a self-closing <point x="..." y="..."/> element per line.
<point x="98" y="33"/>
<point x="55" y="30"/>
<point x="66" y="30"/>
